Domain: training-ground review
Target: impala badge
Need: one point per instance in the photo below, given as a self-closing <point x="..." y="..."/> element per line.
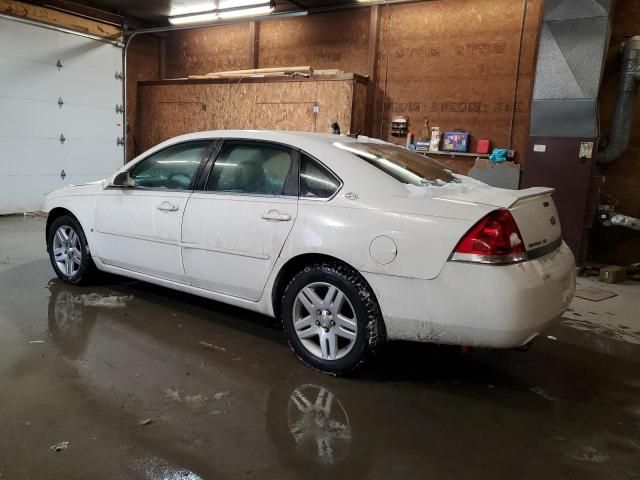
<point x="351" y="196"/>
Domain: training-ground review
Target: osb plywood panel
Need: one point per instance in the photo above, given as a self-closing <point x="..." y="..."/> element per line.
<point x="166" y="110"/>
<point x="619" y="246"/>
<point x="329" y="40"/>
<point x="177" y="118"/>
<point x="453" y="63"/>
<point x="359" y="108"/>
<point x="334" y="104"/>
<point x="204" y="50"/>
<point x="215" y="98"/>
<point x="143" y="64"/>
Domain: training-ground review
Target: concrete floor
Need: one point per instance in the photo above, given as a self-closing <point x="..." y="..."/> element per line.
<point x="223" y="397"/>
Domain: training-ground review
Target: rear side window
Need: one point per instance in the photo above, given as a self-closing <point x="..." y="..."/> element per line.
<point x="172" y="168"/>
<point x="402" y="164"/>
<point x="315" y="180"/>
<point x="251" y="169"/>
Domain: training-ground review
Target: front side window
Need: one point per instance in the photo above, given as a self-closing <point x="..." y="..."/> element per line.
<point x="315" y="180"/>
<point x="402" y="164"/>
<point x="248" y="168"/>
<point x="172" y="168"/>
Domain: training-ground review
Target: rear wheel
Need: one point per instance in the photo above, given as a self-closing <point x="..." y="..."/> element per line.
<point x="69" y="251"/>
<point x="331" y="318"/>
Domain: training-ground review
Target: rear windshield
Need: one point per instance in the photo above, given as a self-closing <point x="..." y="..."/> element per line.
<point x="402" y="164"/>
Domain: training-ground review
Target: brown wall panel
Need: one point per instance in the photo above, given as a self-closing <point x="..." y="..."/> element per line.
<point x="451" y="62"/>
<point x="620" y="245"/>
<point x="454" y="64"/>
<point x="167" y="109"/>
<point x="143" y="64"/>
<point x="205" y="50"/>
<point x="328" y="40"/>
<point x="358" y="123"/>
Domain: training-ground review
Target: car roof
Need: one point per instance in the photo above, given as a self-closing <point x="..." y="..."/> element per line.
<point x="347" y="166"/>
<point x="284" y="136"/>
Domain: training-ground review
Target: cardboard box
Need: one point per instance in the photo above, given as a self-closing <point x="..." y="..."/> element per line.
<point x="484" y="146"/>
<point x="613" y="274"/>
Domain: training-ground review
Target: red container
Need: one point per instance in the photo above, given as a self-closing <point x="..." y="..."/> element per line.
<point x="484" y="146"/>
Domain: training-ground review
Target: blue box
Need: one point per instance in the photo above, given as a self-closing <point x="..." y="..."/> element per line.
<point x="455" y="142"/>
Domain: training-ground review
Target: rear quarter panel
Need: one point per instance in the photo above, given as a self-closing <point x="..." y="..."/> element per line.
<point x="423" y="243"/>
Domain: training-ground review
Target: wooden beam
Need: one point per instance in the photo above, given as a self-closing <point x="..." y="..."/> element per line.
<point x="254" y="43"/>
<point x="374" y="41"/>
<point x="55" y="18"/>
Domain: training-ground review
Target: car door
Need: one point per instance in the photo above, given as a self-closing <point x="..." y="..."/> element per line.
<point x="139" y="228"/>
<point x="235" y="225"/>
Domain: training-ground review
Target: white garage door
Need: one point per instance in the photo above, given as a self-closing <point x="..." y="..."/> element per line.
<point x="55" y="84"/>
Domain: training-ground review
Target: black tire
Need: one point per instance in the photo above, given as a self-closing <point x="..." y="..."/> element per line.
<point x="370" y="333"/>
<point x="87" y="271"/>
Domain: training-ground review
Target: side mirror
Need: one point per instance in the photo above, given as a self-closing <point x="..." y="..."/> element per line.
<point x="124" y="179"/>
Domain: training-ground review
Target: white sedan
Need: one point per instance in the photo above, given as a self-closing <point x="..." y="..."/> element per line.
<point x="350" y="241"/>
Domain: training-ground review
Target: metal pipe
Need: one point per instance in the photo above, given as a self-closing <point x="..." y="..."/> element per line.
<point x="623" y="115"/>
<point x="173" y="28"/>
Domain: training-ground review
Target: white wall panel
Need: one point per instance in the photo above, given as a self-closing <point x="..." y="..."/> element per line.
<point x="31" y="121"/>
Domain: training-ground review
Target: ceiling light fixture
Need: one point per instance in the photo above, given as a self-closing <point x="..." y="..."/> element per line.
<point x="233" y="9"/>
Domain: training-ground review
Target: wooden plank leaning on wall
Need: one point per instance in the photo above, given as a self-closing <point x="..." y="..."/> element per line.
<point x="59" y="19"/>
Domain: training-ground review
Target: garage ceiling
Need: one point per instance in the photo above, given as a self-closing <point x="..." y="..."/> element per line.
<point x="155" y="12"/>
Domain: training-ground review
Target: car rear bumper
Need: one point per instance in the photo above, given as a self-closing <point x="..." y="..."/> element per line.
<point x="479" y="305"/>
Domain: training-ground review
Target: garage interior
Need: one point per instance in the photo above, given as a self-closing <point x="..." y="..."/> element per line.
<point x="129" y="380"/>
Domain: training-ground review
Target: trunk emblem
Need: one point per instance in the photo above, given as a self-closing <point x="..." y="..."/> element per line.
<point x="552" y="220"/>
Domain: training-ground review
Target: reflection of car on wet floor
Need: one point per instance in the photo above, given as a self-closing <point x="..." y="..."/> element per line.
<point x="222" y="412"/>
<point x="306" y="420"/>
<point x="349" y="240"/>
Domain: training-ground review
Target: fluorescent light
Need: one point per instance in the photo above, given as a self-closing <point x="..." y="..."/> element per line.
<point x="232" y="9"/>
<point x="191" y="9"/>
<point x="196" y="18"/>
<point x="223" y="4"/>
<point x="245" y="12"/>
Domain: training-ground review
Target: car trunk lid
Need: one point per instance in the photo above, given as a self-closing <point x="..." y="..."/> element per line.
<point x="533" y="209"/>
<point x="537" y="219"/>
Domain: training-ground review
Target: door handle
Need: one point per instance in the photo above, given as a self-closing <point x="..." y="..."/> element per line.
<point x="168" y="207"/>
<point x="276" y="216"/>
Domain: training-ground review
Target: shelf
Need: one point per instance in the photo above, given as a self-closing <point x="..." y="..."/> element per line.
<point x="424" y="151"/>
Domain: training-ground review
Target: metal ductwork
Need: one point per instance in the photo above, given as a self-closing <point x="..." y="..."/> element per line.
<point x="563" y="138"/>
<point x="618" y="140"/>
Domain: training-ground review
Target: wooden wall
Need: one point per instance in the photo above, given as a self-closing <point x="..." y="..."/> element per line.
<point x="192" y="52"/>
<point x="143" y="64"/>
<point x="183" y="106"/>
<point x="453" y="63"/>
<point x="619" y="245"/>
<point x="327" y="40"/>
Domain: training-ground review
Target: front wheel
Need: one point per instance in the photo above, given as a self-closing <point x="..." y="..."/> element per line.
<point x="331" y="318"/>
<point x="69" y="251"/>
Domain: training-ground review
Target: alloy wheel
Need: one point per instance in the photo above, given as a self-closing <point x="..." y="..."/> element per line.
<point x="325" y="321"/>
<point x="67" y="250"/>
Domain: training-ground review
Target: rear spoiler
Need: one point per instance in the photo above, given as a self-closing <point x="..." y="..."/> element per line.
<point x="530" y="193"/>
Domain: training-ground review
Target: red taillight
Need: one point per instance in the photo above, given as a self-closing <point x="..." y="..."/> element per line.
<point x="494" y="239"/>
